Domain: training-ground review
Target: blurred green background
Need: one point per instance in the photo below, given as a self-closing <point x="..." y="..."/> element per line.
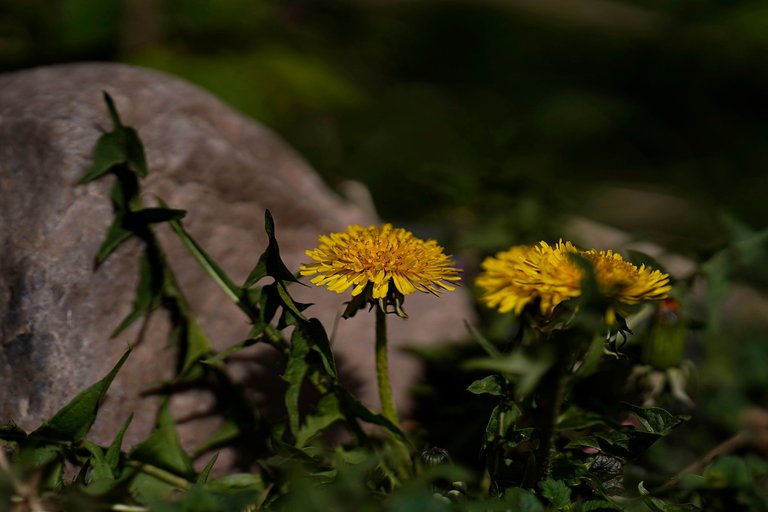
<point x="494" y="122"/>
<point x="491" y="117"/>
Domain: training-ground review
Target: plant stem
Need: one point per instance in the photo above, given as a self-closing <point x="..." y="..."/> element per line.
<point x="402" y="454"/>
<point x="552" y="394"/>
<point x="161" y="475"/>
<point x="382" y="369"/>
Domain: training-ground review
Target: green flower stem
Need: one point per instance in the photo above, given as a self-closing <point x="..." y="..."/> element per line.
<point x="402" y="462"/>
<point x="552" y="394"/>
<point x="161" y="475"/>
<point x="382" y="369"/>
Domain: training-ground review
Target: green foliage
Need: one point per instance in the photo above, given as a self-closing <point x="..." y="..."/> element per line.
<point x="120" y="147"/>
<point x="158" y="467"/>
<point x="561" y="432"/>
<point x="162" y="449"/>
<point x="270" y="263"/>
<point x="72" y="422"/>
<point x="528" y="366"/>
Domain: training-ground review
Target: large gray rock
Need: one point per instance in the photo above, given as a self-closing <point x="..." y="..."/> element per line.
<point x="56" y="312"/>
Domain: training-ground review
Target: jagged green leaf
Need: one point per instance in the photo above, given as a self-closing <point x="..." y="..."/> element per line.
<point x="134" y="151"/>
<point x="270" y="263"/>
<point x="202" y="478"/>
<point x="116" y="121"/>
<point x="162" y="448"/>
<point x="116" y="235"/>
<point x="527" y="367"/>
<point x="196" y="347"/>
<point x="655" y="420"/>
<point x="37" y="456"/>
<point x="503" y="417"/>
<point x="557" y="493"/>
<point x="617" y="442"/>
<point x="307" y="336"/>
<point x="148" y="291"/>
<point x="113" y="452"/>
<point x="287" y="456"/>
<point x="295" y="371"/>
<point x="268" y="300"/>
<point x="121" y="146"/>
<point x="327" y="413"/>
<point x="100" y="467"/>
<point x="73" y="421"/>
<point x="289" y="303"/>
<point x="352" y="408"/>
<point x="317" y="338"/>
<point x="626" y="442"/>
<point x="490" y="385"/>
<point x="109" y="152"/>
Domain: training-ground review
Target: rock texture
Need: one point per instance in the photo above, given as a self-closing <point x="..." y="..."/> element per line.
<point x="56" y="312"/>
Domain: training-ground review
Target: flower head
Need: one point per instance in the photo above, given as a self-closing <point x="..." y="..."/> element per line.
<point x="514" y="278"/>
<point x="377" y="258"/>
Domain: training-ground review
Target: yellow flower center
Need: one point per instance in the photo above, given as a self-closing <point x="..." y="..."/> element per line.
<point x="379" y="255"/>
<point x="515" y="277"/>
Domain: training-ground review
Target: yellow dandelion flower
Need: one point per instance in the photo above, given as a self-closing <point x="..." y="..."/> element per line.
<point x="512" y="279"/>
<point x="624" y="282"/>
<point x="515" y="277"/>
<point x="378" y="256"/>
